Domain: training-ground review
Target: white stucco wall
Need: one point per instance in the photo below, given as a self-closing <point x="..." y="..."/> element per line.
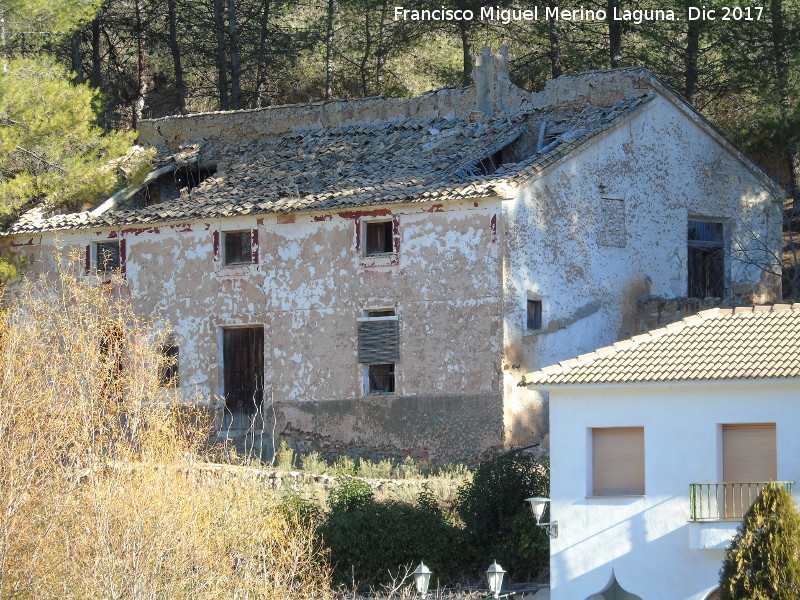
<point x="662" y="168"/>
<point x="648" y="540"/>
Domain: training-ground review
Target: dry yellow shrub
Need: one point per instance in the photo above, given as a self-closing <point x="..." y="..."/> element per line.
<point x="100" y="495"/>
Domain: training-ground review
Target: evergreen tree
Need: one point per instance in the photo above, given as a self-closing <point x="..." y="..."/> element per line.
<point x="763" y="561"/>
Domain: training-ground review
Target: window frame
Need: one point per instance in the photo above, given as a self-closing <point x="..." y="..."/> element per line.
<point x="252" y="249"/>
<point x="534" y="322"/>
<point x="378" y="314"/>
<point x="599" y="451"/>
<point x="388" y="225"/>
<point x="706" y="247"/>
<point x="94" y="263"/>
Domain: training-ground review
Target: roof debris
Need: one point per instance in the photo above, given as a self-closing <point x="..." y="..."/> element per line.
<point x="364" y="164"/>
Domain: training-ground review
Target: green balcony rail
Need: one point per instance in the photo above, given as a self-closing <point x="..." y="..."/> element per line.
<point x="726" y="501"/>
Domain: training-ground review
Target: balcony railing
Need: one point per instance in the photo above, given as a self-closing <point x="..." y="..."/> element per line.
<point x="726" y="501"/>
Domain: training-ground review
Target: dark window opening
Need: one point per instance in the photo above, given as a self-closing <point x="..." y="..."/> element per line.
<point x="380" y="238"/>
<point x="107" y="256"/>
<point x="111" y="346"/>
<point x="381" y="312"/>
<point x="706" y="257"/>
<point x="243" y="365"/>
<point x="238" y="247"/>
<point x="534" y="314"/>
<point x="490" y="164"/>
<point x="381" y="378"/>
<point x="168" y="376"/>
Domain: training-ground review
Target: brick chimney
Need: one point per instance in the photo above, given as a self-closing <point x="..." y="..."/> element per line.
<point x="492" y="83"/>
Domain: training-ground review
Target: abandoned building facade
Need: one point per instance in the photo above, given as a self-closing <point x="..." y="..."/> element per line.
<point x="375" y="276"/>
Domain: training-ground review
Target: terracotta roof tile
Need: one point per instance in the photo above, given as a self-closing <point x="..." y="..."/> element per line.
<point x="365" y="164"/>
<point x="745" y="343"/>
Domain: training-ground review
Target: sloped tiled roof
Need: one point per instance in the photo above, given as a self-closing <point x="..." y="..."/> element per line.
<point x="370" y="163"/>
<point x="742" y="343"/>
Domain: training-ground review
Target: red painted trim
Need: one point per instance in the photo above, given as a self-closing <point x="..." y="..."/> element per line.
<point x="254" y="245"/>
<point x="216" y="245"/>
<point x="493" y="228"/>
<point x="140" y="230"/>
<point x="88" y="258"/>
<point x="122" y="256"/>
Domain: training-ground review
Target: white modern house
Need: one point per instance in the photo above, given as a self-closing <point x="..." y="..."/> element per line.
<point x="658" y="445"/>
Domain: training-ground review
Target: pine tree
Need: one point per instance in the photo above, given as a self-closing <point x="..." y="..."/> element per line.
<point x="763" y="560"/>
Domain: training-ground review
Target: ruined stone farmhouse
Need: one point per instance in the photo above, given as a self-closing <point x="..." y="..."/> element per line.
<point x="375" y="276"/>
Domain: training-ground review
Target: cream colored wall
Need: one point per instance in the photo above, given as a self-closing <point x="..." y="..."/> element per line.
<point x="308" y="288"/>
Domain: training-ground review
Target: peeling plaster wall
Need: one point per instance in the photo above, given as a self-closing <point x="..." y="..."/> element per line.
<point x="558" y="248"/>
<point x="308" y="287"/>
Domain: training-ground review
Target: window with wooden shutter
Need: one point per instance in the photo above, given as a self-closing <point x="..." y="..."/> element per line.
<point x="618" y="461"/>
<point x="749" y="453"/>
<point x="378" y="338"/>
<point x="379" y="349"/>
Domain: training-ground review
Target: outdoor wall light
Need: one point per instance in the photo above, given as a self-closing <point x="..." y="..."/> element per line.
<point x="537" y="508"/>
<point x="494" y="574"/>
<point x="422" y="578"/>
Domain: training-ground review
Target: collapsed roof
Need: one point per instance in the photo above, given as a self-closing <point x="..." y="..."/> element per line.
<point x="472" y="142"/>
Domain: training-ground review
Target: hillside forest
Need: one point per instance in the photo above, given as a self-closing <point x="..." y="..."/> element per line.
<point x="78" y="74"/>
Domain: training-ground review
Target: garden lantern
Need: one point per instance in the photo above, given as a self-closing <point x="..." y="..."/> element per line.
<point x="422" y="578"/>
<point x="494" y="574"/>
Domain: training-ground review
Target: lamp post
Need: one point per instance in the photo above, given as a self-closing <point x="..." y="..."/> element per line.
<point x="494" y="574"/>
<point x="537" y="508"/>
<point x="422" y="578"/>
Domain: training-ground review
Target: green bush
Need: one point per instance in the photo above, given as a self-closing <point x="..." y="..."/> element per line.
<point x="763" y="560"/>
<point x="370" y="542"/>
<point x="497" y="520"/>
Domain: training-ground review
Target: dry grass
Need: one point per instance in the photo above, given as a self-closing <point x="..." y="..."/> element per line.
<point x="99" y="495"/>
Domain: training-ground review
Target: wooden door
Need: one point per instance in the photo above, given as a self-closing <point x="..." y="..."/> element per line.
<point x="243" y="357"/>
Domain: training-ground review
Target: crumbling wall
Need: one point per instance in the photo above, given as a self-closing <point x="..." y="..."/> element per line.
<point x="310" y="284"/>
<point x="492" y="94"/>
<point x="606" y="226"/>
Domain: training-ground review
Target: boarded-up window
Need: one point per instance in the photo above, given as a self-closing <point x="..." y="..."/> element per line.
<point x="618" y="461"/>
<point x="706" y="277"/>
<point x="749" y="453"/>
<point x="238" y="247"/>
<point x="379" y="236"/>
<point x="378" y="338"/>
<point x="613" y="231"/>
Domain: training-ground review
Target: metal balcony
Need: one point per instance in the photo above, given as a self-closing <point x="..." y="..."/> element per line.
<point x="726" y="501"/>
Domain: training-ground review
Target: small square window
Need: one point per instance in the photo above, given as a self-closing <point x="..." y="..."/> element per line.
<point x="238" y="247"/>
<point x="534" y="314"/>
<point x="107" y="256"/>
<point x="381" y="378"/>
<point x="379" y="238"/>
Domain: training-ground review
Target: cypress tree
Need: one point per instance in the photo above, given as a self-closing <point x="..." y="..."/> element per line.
<point x="763" y="560"/>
